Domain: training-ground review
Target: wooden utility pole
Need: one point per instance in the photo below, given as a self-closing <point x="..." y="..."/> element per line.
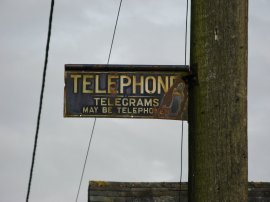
<point x="218" y="101"/>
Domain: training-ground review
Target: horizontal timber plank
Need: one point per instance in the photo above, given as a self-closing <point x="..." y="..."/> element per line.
<point x="101" y="191"/>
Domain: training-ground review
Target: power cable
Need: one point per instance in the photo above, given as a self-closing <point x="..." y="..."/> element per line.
<point x="93" y="128"/>
<point x="115" y="27"/>
<point x="89" y="144"/>
<point x="182" y="128"/>
<point x="40" y="100"/>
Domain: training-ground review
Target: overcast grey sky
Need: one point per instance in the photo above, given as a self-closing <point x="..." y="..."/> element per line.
<point x="149" y="32"/>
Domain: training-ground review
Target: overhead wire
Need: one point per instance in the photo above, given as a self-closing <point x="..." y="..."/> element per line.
<point x="114" y="31"/>
<point x="182" y="125"/>
<point x="94" y="124"/>
<point x="89" y="144"/>
<point x="95" y="119"/>
<point x="40" y="100"/>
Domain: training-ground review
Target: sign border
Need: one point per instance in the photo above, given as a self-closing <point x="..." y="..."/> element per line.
<point x="122" y="68"/>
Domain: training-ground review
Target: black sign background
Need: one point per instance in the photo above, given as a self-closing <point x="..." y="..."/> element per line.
<point x="124" y="91"/>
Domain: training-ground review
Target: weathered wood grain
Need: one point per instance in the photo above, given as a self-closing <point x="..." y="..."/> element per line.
<point x="218" y="101"/>
<point x="158" y="192"/>
<point x="136" y="192"/>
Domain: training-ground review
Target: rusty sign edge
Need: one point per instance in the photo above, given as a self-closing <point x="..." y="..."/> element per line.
<point x="124" y="67"/>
